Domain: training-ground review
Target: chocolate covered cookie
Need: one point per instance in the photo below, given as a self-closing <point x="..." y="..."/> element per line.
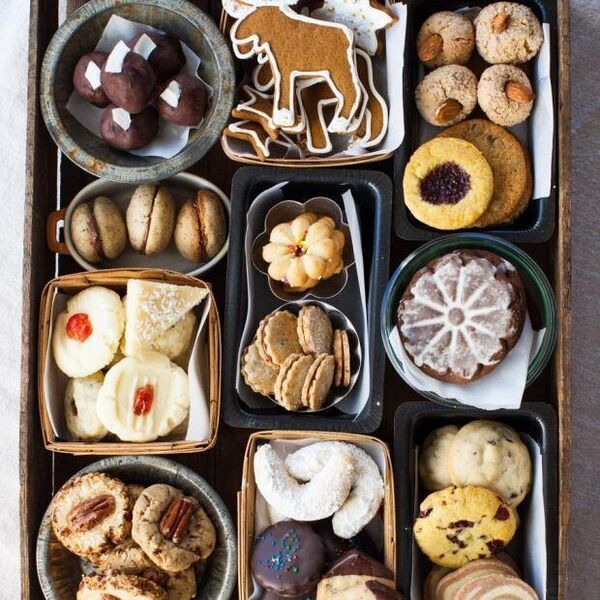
<point x="356" y="575"/>
<point x="127" y="79"/>
<point x="163" y="52"/>
<point x="288" y="558"/>
<point x="183" y="101"/>
<point x="86" y="78"/>
<point x="126" y="131"/>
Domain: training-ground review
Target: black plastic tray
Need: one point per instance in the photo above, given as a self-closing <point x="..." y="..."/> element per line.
<point x="414" y="420"/>
<point x="372" y="193"/>
<point x="537" y="222"/>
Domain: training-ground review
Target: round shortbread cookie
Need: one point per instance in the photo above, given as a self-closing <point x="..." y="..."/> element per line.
<point x="319" y="379"/>
<point x="491" y="454"/>
<point x="432" y="458"/>
<point x="510" y="164"/>
<point x="314" y="330"/>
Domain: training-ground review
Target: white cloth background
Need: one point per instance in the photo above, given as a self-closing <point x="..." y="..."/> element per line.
<point x="585" y="31"/>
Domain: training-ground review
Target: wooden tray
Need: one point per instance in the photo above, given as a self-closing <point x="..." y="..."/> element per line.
<point x="53" y="180"/>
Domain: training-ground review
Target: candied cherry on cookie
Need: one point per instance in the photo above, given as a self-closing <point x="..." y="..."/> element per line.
<point x="86" y="334"/>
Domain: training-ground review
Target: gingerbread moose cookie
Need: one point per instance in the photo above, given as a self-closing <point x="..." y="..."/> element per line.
<point x="313" y="89"/>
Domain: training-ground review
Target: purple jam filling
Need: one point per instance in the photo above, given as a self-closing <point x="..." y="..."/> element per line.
<point x="447" y="183"/>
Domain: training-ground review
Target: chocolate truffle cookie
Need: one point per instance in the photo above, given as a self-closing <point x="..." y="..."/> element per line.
<point x="91" y="514"/>
<point x="126" y="131"/>
<point x="288" y="558"/>
<point x="163" y="52"/>
<point x="461" y="315"/>
<point x="128" y="79"/>
<point x="447" y="95"/>
<point x="505" y="95"/>
<point x="86" y="78"/>
<point x="445" y="38"/>
<point x="507" y="32"/>
<point x="183" y="101"/>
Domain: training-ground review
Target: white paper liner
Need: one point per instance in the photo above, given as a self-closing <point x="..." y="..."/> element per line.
<point x="357" y="399"/>
<point x="388" y="77"/>
<point x="532" y="529"/>
<point x="170" y="139"/>
<point x="502" y="388"/>
<point x="537" y="132"/>
<point x="374" y="529"/>
<point x="196" y="428"/>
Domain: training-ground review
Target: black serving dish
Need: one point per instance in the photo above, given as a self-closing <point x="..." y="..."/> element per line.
<point x="372" y="194"/>
<point x="414" y="420"/>
<point x="537" y="222"/>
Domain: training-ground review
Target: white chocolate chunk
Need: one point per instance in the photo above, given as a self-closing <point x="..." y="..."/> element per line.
<point x="114" y="62"/>
<point x="144" y="46"/>
<point x="172" y="93"/>
<point x="122" y="118"/>
<point x="92" y="74"/>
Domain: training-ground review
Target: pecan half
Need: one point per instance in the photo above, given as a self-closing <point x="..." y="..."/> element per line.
<point x="89" y="513"/>
<point x="175" y="522"/>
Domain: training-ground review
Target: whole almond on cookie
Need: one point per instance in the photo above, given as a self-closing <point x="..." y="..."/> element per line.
<point x="448" y="111"/>
<point x="518" y="92"/>
<point x="430" y="47"/>
<point x="500" y="22"/>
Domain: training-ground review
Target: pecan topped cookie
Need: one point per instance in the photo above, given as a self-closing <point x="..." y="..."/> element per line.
<point x="91" y="514"/>
<point x="172" y="529"/>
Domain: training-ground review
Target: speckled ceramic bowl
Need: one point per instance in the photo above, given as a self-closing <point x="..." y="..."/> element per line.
<point x="59" y="571"/>
<point x="79" y="35"/>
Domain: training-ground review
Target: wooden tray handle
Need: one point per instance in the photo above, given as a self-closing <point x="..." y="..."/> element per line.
<point x="52" y="224"/>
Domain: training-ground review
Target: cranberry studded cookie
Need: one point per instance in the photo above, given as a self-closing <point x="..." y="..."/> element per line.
<point x="172" y="529"/>
<point x="507" y="32"/>
<point x="491" y="454"/>
<point x="461" y="315"/>
<point x="91" y="514"/>
<point x="457" y="525"/>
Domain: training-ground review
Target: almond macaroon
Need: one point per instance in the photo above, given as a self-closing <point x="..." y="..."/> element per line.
<point x="201" y="227"/>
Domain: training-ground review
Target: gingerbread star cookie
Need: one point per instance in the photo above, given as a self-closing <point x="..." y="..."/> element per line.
<point x="363" y="17"/>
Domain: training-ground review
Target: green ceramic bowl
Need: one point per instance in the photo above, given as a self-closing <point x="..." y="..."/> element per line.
<point x="541" y="303"/>
<point x="80" y="33"/>
<point x="59" y="571"/>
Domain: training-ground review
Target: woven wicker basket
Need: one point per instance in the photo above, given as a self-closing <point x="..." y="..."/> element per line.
<point x="247" y="497"/>
<point x="116" y="279"/>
